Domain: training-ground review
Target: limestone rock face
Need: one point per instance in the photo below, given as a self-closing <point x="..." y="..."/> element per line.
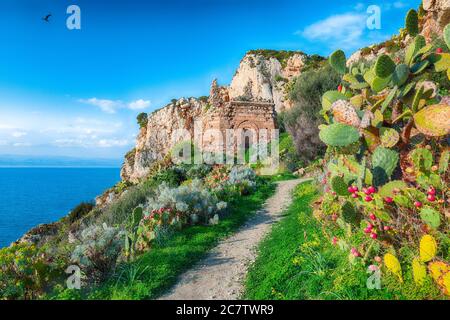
<point x="157" y="138"/>
<point x="436" y="18"/>
<point x="264" y="79"/>
<point x="257" y="91"/>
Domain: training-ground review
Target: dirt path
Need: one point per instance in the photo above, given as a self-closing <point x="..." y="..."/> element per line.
<point x="220" y="274"/>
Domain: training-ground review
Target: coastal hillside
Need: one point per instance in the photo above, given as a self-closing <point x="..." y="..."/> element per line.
<point x="358" y="207"/>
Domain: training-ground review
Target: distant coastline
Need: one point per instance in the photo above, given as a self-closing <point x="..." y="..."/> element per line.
<point x="17" y="161"/>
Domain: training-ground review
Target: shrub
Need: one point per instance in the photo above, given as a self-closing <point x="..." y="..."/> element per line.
<point x="197" y="171"/>
<point x="173" y="176"/>
<point x="24" y="272"/>
<point x="80" y="211"/>
<point x="288" y="153"/>
<point x="118" y="212"/>
<point x="98" y="251"/>
<point x="303" y="120"/>
<point x="142" y="119"/>
<point x="186" y="200"/>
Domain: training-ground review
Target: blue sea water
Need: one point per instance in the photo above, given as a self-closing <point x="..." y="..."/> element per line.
<point x="31" y="196"/>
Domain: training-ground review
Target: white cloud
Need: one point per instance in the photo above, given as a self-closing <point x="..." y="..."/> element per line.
<point x="108" y="143"/>
<point x="343" y="30"/>
<point x="111" y="106"/>
<point x="22" y="144"/>
<point x="108" y="106"/>
<point x="18" y="134"/>
<point x="91" y="142"/>
<point x="139" y="104"/>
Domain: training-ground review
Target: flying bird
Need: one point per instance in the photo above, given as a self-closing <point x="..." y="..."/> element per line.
<point x="47" y="17"/>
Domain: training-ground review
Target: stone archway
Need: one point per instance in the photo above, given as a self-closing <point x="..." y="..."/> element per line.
<point x="247" y="135"/>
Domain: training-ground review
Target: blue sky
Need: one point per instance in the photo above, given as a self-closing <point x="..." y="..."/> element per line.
<point x="77" y="92"/>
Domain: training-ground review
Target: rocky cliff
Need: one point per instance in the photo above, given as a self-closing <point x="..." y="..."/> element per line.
<point x="436" y="16"/>
<point x="260" y="80"/>
<point x="263" y="77"/>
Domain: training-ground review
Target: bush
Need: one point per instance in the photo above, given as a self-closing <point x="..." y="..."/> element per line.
<point x="23" y="272"/>
<point x="119" y="210"/>
<point x="142" y="119"/>
<point x="186" y="200"/>
<point x="80" y="211"/>
<point x="303" y="120"/>
<point x="98" y="251"/>
<point x="173" y="176"/>
<point x="288" y="153"/>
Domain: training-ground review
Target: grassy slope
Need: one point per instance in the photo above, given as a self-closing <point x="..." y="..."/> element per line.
<point x="296" y="261"/>
<point x="158" y="269"/>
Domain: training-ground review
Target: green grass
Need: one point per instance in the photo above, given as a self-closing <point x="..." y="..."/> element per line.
<point x="296" y="261"/>
<point x="157" y="270"/>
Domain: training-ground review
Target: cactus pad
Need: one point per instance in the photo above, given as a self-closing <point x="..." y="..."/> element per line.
<point x="433" y="120"/>
<point x="339" y="186"/>
<point x="447" y="35"/>
<point x="392" y="264"/>
<point x="400" y="75"/>
<point x="338" y="135"/>
<point x="384" y="67"/>
<point x="344" y="112"/>
<point x="385" y="159"/>
<point x="338" y="61"/>
<point x="430" y="217"/>
<point x="419" y="271"/>
<point x="428" y="248"/>
<point x="388" y="189"/>
<point x="412" y="22"/>
<point x="350" y="214"/>
<point x="330" y="97"/>
<point x="389" y="137"/>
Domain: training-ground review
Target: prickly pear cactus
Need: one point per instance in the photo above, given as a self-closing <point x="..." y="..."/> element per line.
<point x="330" y="97"/>
<point x="412" y="22"/>
<point x="400" y="75"/>
<point x="431" y="217"/>
<point x="447" y="35"/>
<point x="389" y="137"/>
<point x="338" y="135"/>
<point x="434" y="120"/>
<point x="392" y="264"/>
<point x="339" y="186"/>
<point x="344" y="112"/>
<point x="384" y="67"/>
<point x="428" y="248"/>
<point x="385" y="159"/>
<point x="419" y="271"/>
<point x="350" y="214"/>
<point x="338" y="61"/>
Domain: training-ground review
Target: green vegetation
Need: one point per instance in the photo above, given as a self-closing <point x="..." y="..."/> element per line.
<point x="311" y="61"/>
<point x="298" y="261"/>
<point x="155" y="271"/>
<point x="142" y="119"/>
<point x="387" y="144"/>
<point x="302" y="121"/>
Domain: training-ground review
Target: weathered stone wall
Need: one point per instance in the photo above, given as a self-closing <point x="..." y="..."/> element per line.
<point x="256" y="93"/>
<point x="198" y="120"/>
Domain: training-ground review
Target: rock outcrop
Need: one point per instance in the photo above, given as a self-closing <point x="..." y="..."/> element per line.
<point x="256" y="93"/>
<point x="156" y="139"/>
<point x="264" y="79"/>
<point x="437" y="16"/>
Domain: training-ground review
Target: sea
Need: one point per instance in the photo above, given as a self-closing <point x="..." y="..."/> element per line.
<point x="32" y="196"/>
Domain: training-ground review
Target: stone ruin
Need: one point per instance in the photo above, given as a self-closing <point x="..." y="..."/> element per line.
<point x="252" y="120"/>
